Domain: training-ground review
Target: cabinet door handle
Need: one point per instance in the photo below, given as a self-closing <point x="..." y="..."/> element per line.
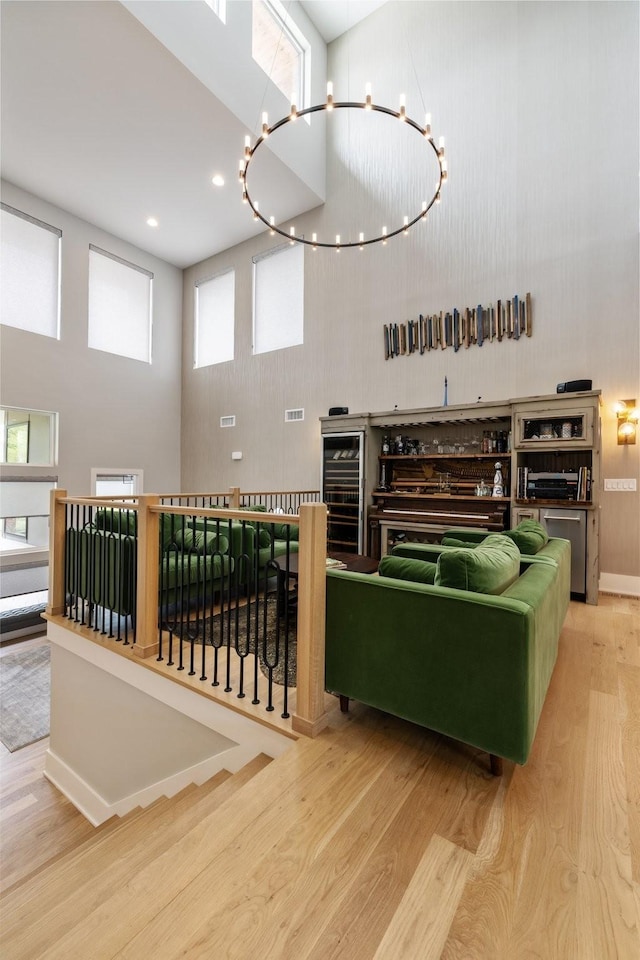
<point x="572" y="519"/>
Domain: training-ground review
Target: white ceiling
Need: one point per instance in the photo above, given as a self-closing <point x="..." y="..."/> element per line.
<point x="99" y="118"/>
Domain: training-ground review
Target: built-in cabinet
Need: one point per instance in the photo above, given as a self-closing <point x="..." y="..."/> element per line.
<point x="421" y="472"/>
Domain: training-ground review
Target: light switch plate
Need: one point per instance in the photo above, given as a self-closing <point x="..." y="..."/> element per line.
<point x="618" y="486"/>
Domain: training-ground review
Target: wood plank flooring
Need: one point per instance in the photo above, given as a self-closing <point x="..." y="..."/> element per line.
<point x="378" y="840"/>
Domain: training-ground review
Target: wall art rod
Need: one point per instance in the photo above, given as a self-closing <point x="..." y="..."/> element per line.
<point x="473" y="326"/>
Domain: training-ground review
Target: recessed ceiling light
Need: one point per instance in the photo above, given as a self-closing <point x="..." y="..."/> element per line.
<point x="152" y="222"/>
<point x="218" y="180"/>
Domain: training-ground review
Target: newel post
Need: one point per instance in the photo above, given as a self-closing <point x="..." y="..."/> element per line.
<point x="146" y="643"/>
<point x="310" y="716"/>
<point x="234" y="498"/>
<point x="57" y="532"/>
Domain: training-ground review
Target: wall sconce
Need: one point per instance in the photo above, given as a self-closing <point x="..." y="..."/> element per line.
<point x="627" y="414"/>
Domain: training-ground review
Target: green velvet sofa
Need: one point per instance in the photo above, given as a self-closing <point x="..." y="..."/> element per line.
<point x="262" y="543"/>
<point x="101" y="560"/>
<point x="199" y="558"/>
<point x="472" y="665"/>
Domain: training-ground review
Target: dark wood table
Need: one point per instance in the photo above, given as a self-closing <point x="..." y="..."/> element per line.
<point x="356" y="562"/>
<point x="352" y="561"/>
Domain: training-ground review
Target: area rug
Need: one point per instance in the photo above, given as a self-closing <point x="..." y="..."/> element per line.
<point x="269" y="625"/>
<point x="24" y="697"/>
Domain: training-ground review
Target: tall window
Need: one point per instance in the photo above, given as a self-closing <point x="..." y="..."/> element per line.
<point x="214" y="320"/>
<point x="120" y="306"/>
<point x="29" y="273"/>
<point x="281" y="50"/>
<point x="278" y="299"/>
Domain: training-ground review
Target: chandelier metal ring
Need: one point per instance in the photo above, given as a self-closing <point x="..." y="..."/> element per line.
<point x="295" y="114"/>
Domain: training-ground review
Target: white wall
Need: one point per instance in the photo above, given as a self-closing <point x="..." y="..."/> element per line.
<point x="539" y="105"/>
<point x="112" y="410"/>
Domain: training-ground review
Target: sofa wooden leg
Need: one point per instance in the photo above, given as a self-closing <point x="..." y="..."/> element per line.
<point x="344" y="703"/>
<point x="496" y="765"/>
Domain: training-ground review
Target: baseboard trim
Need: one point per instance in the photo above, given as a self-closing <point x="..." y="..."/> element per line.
<point x="619" y="585"/>
<point x="97" y="810"/>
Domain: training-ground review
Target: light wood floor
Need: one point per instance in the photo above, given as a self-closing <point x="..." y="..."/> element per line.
<point x="376" y="841"/>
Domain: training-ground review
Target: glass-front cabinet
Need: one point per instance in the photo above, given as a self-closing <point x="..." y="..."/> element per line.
<point x="342" y="491"/>
<point x="551" y="428"/>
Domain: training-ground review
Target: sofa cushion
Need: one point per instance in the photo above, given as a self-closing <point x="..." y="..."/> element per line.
<point x="453" y="542"/>
<point x="197" y="540"/>
<point x="488" y="568"/>
<point x="529" y="536"/>
<point x="405" y="568"/>
<point x="116" y="521"/>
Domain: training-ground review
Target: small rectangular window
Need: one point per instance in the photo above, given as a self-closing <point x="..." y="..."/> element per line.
<point x="116" y="482"/>
<point x="29" y="273"/>
<point x="214" y="320"/>
<point x="28" y="437"/>
<point x="120" y="306"/>
<point x="278" y="299"/>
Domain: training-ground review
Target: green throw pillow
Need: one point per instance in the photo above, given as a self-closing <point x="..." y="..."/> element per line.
<point x="405" y="568"/>
<point x="489" y="567"/>
<point x="529" y="536"/>
<point x="452" y="542"/>
<point x="197" y="540"/>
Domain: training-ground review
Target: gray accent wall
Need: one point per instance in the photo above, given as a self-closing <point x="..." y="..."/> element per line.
<point x="539" y="106"/>
<point x="113" y="411"/>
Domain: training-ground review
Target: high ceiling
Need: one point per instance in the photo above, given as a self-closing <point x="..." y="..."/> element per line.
<point x="99" y="118"/>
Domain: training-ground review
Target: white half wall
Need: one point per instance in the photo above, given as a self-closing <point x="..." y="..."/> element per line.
<point x="122" y="736"/>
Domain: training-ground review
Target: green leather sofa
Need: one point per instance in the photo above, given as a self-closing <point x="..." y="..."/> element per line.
<point x="474" y="666"/>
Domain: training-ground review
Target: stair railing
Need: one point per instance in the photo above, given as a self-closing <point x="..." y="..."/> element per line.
<point x="79" y="586"/>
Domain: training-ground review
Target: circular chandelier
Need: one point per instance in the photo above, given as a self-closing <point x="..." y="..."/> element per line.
<point x="328" y="106"/>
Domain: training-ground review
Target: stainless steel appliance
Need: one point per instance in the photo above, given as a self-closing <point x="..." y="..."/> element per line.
<point x="342" y="491"/>
<point x="571" y="525"/>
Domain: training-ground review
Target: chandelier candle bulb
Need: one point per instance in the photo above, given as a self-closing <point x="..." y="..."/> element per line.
<point x="329" y="95"/>
<point x="427" y="125"/>
<point x="247" y="147"/>
<point x="441" y="147"/>
<point x="256" y="206"/>
<point x="272" y="221"/>
<point x="406" y="225"/>
<point x="265" y="125"/>
<point x="403" y="107"/>
<point x="367" y="96"/>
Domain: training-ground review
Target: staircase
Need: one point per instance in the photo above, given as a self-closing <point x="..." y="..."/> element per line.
<point x="40" y="909"/>
<point x="296" y="858"/>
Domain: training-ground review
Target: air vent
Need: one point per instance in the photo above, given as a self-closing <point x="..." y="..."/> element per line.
<point x="228" y="421"/>
<point x="290" y="415"/>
